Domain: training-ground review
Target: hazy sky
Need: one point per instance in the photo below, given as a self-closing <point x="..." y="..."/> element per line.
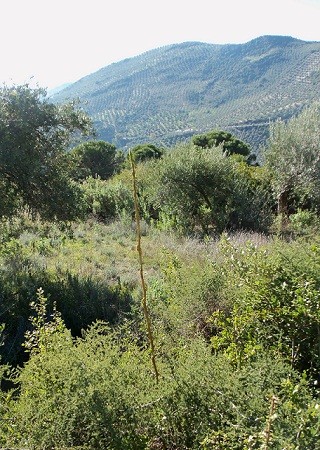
<point x="57" y="41"/>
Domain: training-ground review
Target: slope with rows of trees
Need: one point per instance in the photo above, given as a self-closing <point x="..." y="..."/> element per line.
<point x="168" y="94"/>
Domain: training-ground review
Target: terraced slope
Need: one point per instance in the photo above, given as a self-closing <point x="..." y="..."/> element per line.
<point x="170" y="93"/>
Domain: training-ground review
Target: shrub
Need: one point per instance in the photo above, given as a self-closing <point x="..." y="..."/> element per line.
<point x="200" y="190"/>
<point x="95" y="159"/>
<point x="143" y="152"/>
<point x="98" y="393"/>
<point x="275" y="306"/>
<point x="193" y="186"/>
<point x="230" y="144"/>
<point x="186" y="295"/>
<point x="107" y="200"/>
<point x="304" y="222"/>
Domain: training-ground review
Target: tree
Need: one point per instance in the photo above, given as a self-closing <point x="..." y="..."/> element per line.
<point x="143" y="152"/>
<point x="230" y="144"/>
<point x="192" y="188"/>
<point x="293" y="157"/>
<point x="95" y="158"/>
<point x="34" y="168"/>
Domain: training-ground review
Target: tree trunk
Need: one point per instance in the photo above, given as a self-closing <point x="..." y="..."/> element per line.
<point x="283" y="198"/>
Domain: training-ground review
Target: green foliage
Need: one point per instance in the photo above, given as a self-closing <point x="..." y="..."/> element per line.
<point x="95" y="159"/>
<point x="98" y="393"/>
<point x="38" y="339"/>
<point x="292" y="155"/>
<point x="143" y="152"/>
<point x="10" y="202"/>
<point x="304" y="222"/>
<point x="231" y="322"/>
<point x="275" y="307"/>
<point x="201" y="190"/>
<point x="186" y="295"/>
<point x="230" y="144"/>
<point x="33" y="163"/>
<point x="107" y="200"/>
<point x="194" y="186"/>
<point x="253" y="199"/>
<point x="81" y="299"/>
<point x="5" y="396"/>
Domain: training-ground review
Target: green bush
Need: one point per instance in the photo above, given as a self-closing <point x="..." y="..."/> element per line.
<point x="275" y="305"/>
<point x="200" y="190"/>
<point x="186" y="295"/>
<point x="143" y="152"/>
<point x="107" y="200"/>
<point x="230" y="144"/>
<point x="193" y="187"/>
<point x="304" y="222"/>
<point x="253" y="200"/>
<point x="99" y="392"/>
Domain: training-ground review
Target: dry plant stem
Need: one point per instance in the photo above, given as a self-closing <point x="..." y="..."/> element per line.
<point x="143" y="284"/>
<point x="268" y="427"/>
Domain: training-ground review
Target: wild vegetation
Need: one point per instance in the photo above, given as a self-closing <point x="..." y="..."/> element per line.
<point x="229" y="356"/>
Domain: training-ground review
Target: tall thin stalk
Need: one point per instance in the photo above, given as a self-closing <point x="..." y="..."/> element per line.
<point x="267" y="432"/>
<point x="143" y="283"/>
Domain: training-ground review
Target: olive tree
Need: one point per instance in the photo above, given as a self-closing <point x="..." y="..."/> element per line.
<point x="34" y="168"/>
<point x="293" y="157"/>
<point x="193" y="188"/>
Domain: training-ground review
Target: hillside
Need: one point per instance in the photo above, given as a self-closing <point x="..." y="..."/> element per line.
<point x="170" y="93"/>
<point x="57" y="89"/>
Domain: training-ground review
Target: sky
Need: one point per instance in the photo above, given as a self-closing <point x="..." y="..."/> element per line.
<point x="52" y="42"/>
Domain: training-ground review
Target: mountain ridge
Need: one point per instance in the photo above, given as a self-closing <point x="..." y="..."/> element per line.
<point x="169" y="93"/>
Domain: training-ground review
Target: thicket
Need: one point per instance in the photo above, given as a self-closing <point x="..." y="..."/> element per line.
<point x="232" y="295"/>
<point x="236" y="327"/>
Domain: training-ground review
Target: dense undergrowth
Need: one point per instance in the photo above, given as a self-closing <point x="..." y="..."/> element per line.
<point x="236" y="325"/>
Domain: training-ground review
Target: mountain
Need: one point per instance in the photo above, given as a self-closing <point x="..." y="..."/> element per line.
<point x="170" y="93"/>
<point x="55" y="90"/>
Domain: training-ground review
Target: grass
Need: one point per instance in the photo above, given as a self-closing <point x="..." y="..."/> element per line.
<point x="107" y="251"/>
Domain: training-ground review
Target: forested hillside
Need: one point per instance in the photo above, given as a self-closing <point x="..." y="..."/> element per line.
<point x="170" y="93"/>
<point x="165" y="299"/>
